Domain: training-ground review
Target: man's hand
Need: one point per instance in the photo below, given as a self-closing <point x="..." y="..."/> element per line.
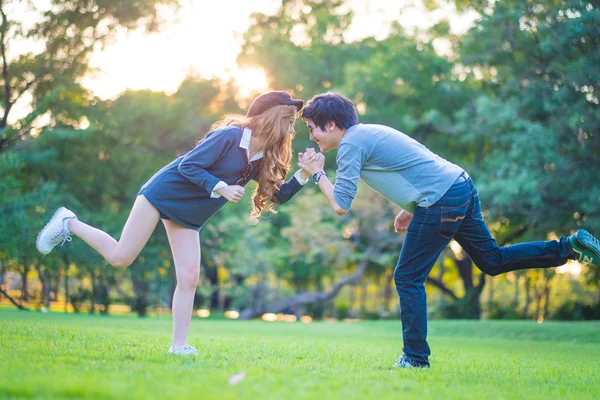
<point x="311" y="162"/>
<point x="306" y="158"/>
<point x="232" y="193"/>
<point x="402" y="221"/>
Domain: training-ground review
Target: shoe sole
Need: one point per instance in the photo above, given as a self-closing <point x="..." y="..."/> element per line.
<point x="586" y="234"/>
<point x="37" y="241"/>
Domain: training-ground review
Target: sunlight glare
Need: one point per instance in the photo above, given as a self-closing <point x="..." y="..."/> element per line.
<point x="571" y="267"/>
<point x="251" y="81"/>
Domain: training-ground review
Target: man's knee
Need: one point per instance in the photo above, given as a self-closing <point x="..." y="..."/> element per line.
<point x="494" y="271"/>
<point x="402" y="277"/>
<point x="491" y="264"/>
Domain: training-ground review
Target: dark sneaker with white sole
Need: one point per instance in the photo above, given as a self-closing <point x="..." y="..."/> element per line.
<point x="586" y="247"/>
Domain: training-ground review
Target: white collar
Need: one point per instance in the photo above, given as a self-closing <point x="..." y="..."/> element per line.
<point x="245" y="144"/>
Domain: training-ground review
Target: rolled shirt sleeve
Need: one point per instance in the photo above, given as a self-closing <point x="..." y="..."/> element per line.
<point x="218" y="186"/>
<point x="350" y="159"/>
<point x="298" y="176"/>
<point x="288" y="189"/>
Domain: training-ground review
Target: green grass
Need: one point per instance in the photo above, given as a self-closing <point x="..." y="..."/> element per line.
<point x="79" y="356"/>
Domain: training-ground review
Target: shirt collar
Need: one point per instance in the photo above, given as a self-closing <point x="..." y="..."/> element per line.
<point x="245" y="144"/>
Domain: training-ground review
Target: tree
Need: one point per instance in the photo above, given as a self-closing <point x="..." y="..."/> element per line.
<point x="66" y="33"/>
<point x="538" y="113"/>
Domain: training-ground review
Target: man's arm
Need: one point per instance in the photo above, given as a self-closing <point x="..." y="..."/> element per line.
<point x="327" y="190"/>
<point x="311" y="163"/>
<point x="350" y="161"/>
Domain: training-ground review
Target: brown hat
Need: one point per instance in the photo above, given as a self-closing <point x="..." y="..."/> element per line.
<point x="271" y="99"/>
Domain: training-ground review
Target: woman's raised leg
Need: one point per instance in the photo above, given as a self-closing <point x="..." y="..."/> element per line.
<point x="139" y="226"/>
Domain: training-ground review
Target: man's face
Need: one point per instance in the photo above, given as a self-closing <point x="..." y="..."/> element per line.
<point x="324" y="138"/>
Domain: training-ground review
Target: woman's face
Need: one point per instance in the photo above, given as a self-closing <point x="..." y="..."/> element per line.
<point x="292" y="123"/>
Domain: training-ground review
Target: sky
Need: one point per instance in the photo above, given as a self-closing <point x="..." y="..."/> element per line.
<point x="205" y="37"/>
<point x="199" y="38"/>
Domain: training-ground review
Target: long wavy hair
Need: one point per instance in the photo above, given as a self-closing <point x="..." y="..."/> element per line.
<point x="274" y="127"/>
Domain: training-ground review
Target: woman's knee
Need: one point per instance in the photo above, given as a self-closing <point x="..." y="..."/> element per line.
<point x="120" y="260"/>
<point x="187" y="276"/>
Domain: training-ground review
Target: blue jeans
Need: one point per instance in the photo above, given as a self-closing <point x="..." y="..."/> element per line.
<point x="457" y="215"/>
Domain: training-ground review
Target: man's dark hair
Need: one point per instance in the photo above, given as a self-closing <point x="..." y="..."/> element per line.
<point x="330" y="107"/>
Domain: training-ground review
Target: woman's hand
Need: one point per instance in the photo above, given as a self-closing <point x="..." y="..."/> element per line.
<point x="402" y="221"/>
<point x="232" y="193"/>
<point x="311" y="162"/>
<point x="306" y="158"/>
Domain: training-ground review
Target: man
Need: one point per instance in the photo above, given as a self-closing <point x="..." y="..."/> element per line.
<point x="445" y="203"/>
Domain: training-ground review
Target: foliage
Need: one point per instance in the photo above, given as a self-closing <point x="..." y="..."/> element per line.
<point x="515" y="103"/>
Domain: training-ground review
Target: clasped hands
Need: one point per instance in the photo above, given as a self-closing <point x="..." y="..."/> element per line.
<point x="311" y="162"/>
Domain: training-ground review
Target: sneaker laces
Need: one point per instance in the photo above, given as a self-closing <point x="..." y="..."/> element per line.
<point x="593" y="239"/>
<point x="60" y="237"/>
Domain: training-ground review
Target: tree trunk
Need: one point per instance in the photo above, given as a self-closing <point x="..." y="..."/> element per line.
<point x="56" y="286"/>
<point x="515" y="303"/>
<point x="465" y="270"/>
<point x="308" y="298"/>
<point x="547" y="298"/>
<point x="527" y="297"/>
<point x="45" y="280"/>
<point x="2" y="273"/>
<point x="24" y="281"/>
<point x="94" y="292"/>
<point x="387" y="289"/>
<point x="490" y="292"/>
<point x="260" y="292"/>
<point x="50" y="287"/>
<point x="1" y="277"/>
<point x="140" y="305"/>
<point x="363" y="296"/>
<point x="440" y="285"/>
<point x="66" y="283"/>
<point x="212" y="274"/>
<point x="539" y="295"/>
<point x="19" y="306"/>
<point x="67" y="262"/>
<point x="173" y="285"/>
<point x="220" y="292"/>
<point x="105" y="297"/>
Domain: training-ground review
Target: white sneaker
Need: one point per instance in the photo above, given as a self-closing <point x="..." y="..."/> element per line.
<point x="55" y="231"/>
<point x="183" y="350"/>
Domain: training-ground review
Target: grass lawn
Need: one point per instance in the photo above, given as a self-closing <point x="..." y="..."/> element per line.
<point x="79" y="356"/>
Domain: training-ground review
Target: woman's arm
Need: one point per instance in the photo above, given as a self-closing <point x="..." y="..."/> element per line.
<point x="207" y="152"/>
<point x="288" y="189"/>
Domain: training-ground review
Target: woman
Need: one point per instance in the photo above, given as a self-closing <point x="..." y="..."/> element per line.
<point x="191" y="189"/>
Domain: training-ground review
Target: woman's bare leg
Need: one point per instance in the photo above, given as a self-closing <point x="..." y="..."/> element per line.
<point x="185" y="245"/>
<point x="138" y="228"/>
